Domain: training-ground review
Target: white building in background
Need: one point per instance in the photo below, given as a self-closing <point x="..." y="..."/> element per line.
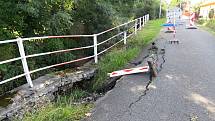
<point x="205" y="7"/>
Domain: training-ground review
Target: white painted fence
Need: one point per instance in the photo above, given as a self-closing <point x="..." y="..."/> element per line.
<point x="139" y="22"/>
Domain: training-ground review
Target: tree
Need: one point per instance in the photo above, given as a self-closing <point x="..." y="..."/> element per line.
<point x="174" y="3"/>
<point x="28" y="18"/>
<point x="211" y="14"/>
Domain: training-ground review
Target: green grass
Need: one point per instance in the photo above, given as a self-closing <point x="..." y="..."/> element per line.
<point x="207" y="25"/>
<point x="61" y="112"/>
<point x="74" y="96"/>
<point x="64" y="110"/>
<point x="119" y="56"/>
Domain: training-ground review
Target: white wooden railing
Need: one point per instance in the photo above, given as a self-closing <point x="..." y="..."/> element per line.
<point x="138" y="24"/>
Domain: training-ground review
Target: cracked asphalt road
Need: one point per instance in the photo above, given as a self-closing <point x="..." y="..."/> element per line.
<point x="183" y="91"/>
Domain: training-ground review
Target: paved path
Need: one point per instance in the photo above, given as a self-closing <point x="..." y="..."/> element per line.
<point x="183" y="91"/>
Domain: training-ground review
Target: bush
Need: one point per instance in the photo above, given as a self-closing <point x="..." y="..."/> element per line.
<point x="211" y="24"/>
<point x="211" y="14"/>
<point x="119" y="57"/>
<point x="28" y="18"/>
<point x="201" y="21"/>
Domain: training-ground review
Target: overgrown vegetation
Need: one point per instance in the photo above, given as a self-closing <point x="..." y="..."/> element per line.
<point x="209" y="25"/>
<point x="211" y="14"/>
<point x="61" y="112"/>
<point x="28" y="18"/>
<point x="119" y="57"/>
<point x="64" y="109"/>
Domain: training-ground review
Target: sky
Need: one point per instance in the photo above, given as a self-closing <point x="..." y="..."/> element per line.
<point x="195" y="1"/>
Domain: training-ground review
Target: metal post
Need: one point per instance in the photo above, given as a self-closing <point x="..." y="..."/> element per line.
<point x="145" y="18"/>
<point x="125" y="37"/>
<point x="24" y="61"/>
<point x="160" y="9"/>
<point x="95" y="37"/>
<point x="140" y="23"/>
<point x="135" y="27"/>
<point x="174" y="19"/>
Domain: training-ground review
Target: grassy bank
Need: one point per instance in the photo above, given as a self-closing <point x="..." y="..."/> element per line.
<point x="117" y="58"/>
<point x="62" y="110"/>
<point x="207" y="25"/>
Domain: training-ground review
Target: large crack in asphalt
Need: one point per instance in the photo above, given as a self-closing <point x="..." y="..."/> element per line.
<point x="140" y="97"/>
<point x="129" y="110"/>
<point x="163" y="59"/>
<point x="147" y="86"/>
<point x="140" y="61"/>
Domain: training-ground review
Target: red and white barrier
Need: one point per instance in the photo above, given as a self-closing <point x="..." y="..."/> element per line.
<point x="170" y="28"/>
<point x="129" y="71"/>
<point x="192" y="21"/>
<point x="174" y="33"/>
<point x="192" y="18"/>
<point x="174" y="40"/>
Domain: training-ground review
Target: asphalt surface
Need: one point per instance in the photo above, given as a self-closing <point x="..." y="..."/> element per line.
<point x="183" y="91"/>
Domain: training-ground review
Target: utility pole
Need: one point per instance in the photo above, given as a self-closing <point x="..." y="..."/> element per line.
<point x="160" y="9"/>
<point x="180" y="9"/>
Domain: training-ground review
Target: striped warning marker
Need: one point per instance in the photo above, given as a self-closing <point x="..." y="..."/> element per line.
<point x="170" y="27"/>
<point x="192" y="22"/>
<point x="129" y="71"/>
<point x="192" y="18"/>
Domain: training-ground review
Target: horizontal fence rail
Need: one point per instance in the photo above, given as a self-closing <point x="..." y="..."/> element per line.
<point x="137" y="25"/>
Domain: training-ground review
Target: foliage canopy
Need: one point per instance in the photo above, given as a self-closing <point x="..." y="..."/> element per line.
<point x="28" y="18"/>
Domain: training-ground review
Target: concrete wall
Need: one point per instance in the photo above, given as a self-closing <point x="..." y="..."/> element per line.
<point x="44" y="91"/>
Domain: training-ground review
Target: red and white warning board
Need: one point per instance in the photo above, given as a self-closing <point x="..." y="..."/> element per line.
<point x="171" y="28"/>
<point x="192" y="22"/>
<point x="192" y="19"/>
<point x="129" y="71"/>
